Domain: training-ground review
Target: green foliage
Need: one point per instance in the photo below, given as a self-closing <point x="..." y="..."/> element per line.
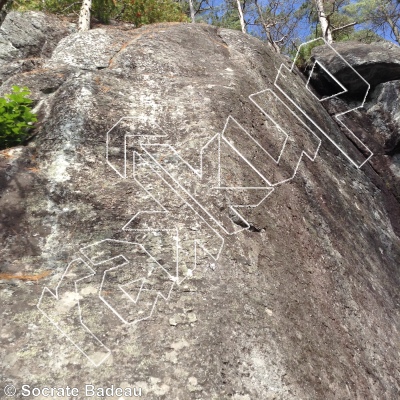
<point x="61" y="7"/>
<point x="338" y="19"/>
<point x="303" y="60"/>
<point x="363" y="9"/>
<point x="141" y="12"/>
<point x="382" y="16"/>
<point x="16" y="117"/>
<point x="103" y="10"/>
<point x="224" y="15"/>
<point x="304" y="54"/>
<point x="229" y="19"/>
<point x="138" y="12"/>
<point x="366" y="36"/>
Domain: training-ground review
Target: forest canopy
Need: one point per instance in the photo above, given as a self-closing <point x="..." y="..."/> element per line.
<point x="283" y="24"/>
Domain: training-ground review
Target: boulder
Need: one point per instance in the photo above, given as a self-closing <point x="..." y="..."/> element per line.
<point x="198" y="235"/>
<point x="375" y="62"/>
<point x="384" y="113"/>
<point x="28" y="35"/>
<point x="384" y="110"/>
<point x="377" y="122"/>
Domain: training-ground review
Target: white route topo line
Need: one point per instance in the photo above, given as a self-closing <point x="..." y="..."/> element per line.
<point x="345" y="90"/>
<point x="201" y="211"/>
<point x="56" y="297"/>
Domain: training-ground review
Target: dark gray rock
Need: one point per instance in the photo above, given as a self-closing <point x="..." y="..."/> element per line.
<point x="384" y="113"/>
<point x="376" y="63"/>
<point x="377" y="123"/>
<point x="303" y="304"/>
<point x="384" y="110"/>
<point x="28" y="35"/>
<point x="34" y="34"/>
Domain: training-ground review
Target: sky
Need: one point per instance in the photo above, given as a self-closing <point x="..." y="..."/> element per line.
<point x="303" y="30"/>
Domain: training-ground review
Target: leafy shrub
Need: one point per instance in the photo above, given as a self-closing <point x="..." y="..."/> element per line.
<point x="303" y="60"/>
<point x="141" y="12"/>
<point x="138" y="12"/>
<point x="63" y="7"/>
<point x="16" y="117"/>
<point x="101" y="9"/>
<point x="304" y="56"/>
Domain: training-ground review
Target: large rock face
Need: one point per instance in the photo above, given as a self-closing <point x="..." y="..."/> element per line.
<point x="153" y="172"/>
<point x="27" y="38"/>
<point x="377" y="122"/>
<point x="377" y="62"/>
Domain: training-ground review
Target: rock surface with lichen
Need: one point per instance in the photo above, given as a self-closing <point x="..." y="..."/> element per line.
<point x="302" y="301"/>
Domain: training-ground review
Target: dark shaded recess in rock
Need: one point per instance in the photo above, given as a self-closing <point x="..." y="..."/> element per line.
<point x="379" y="134"/>
<point x="321" y="83"/>
<point x="241" y="223"/>
<point x="395" y="150"/>
<point x="377" y="123"/>
<point x="374" y="75"/>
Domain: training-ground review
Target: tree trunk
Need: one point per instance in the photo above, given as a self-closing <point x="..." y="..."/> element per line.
<point x="267" y="30"/>
<point x="394" y="29"/>
<point x="242" y="24"/>
<point x="191" y="11"/>
<point x="84" y="15"/>
<point x="324" y="21"/>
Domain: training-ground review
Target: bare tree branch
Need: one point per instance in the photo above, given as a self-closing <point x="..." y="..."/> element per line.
<point x="344" y="27"/>
<point x="267" y="30"/>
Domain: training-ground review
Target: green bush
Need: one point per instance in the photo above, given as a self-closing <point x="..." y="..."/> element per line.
<point x="16" y="117"/>
<point x="63" y="7"/>
<point x="138" y="12"/>
<point x="303" y="60"/>
<point x="143" y="12"/>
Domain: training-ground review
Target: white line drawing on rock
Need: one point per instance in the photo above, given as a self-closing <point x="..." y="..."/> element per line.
<point x="303" y="153"/>
<point x="121" y="262"/>
<point x="55" y="297"/>
<point x="201" y="207"/>
<point x="144" y="155"/>
<point x="337" y="116"/>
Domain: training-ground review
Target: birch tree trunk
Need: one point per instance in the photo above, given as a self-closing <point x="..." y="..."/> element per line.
<point x="84" y="16"/>
<point x="267" y="30"/>
<point x="191" y="11"/>
<point x="242" y="24"/>
<point x="324" y="21"/>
